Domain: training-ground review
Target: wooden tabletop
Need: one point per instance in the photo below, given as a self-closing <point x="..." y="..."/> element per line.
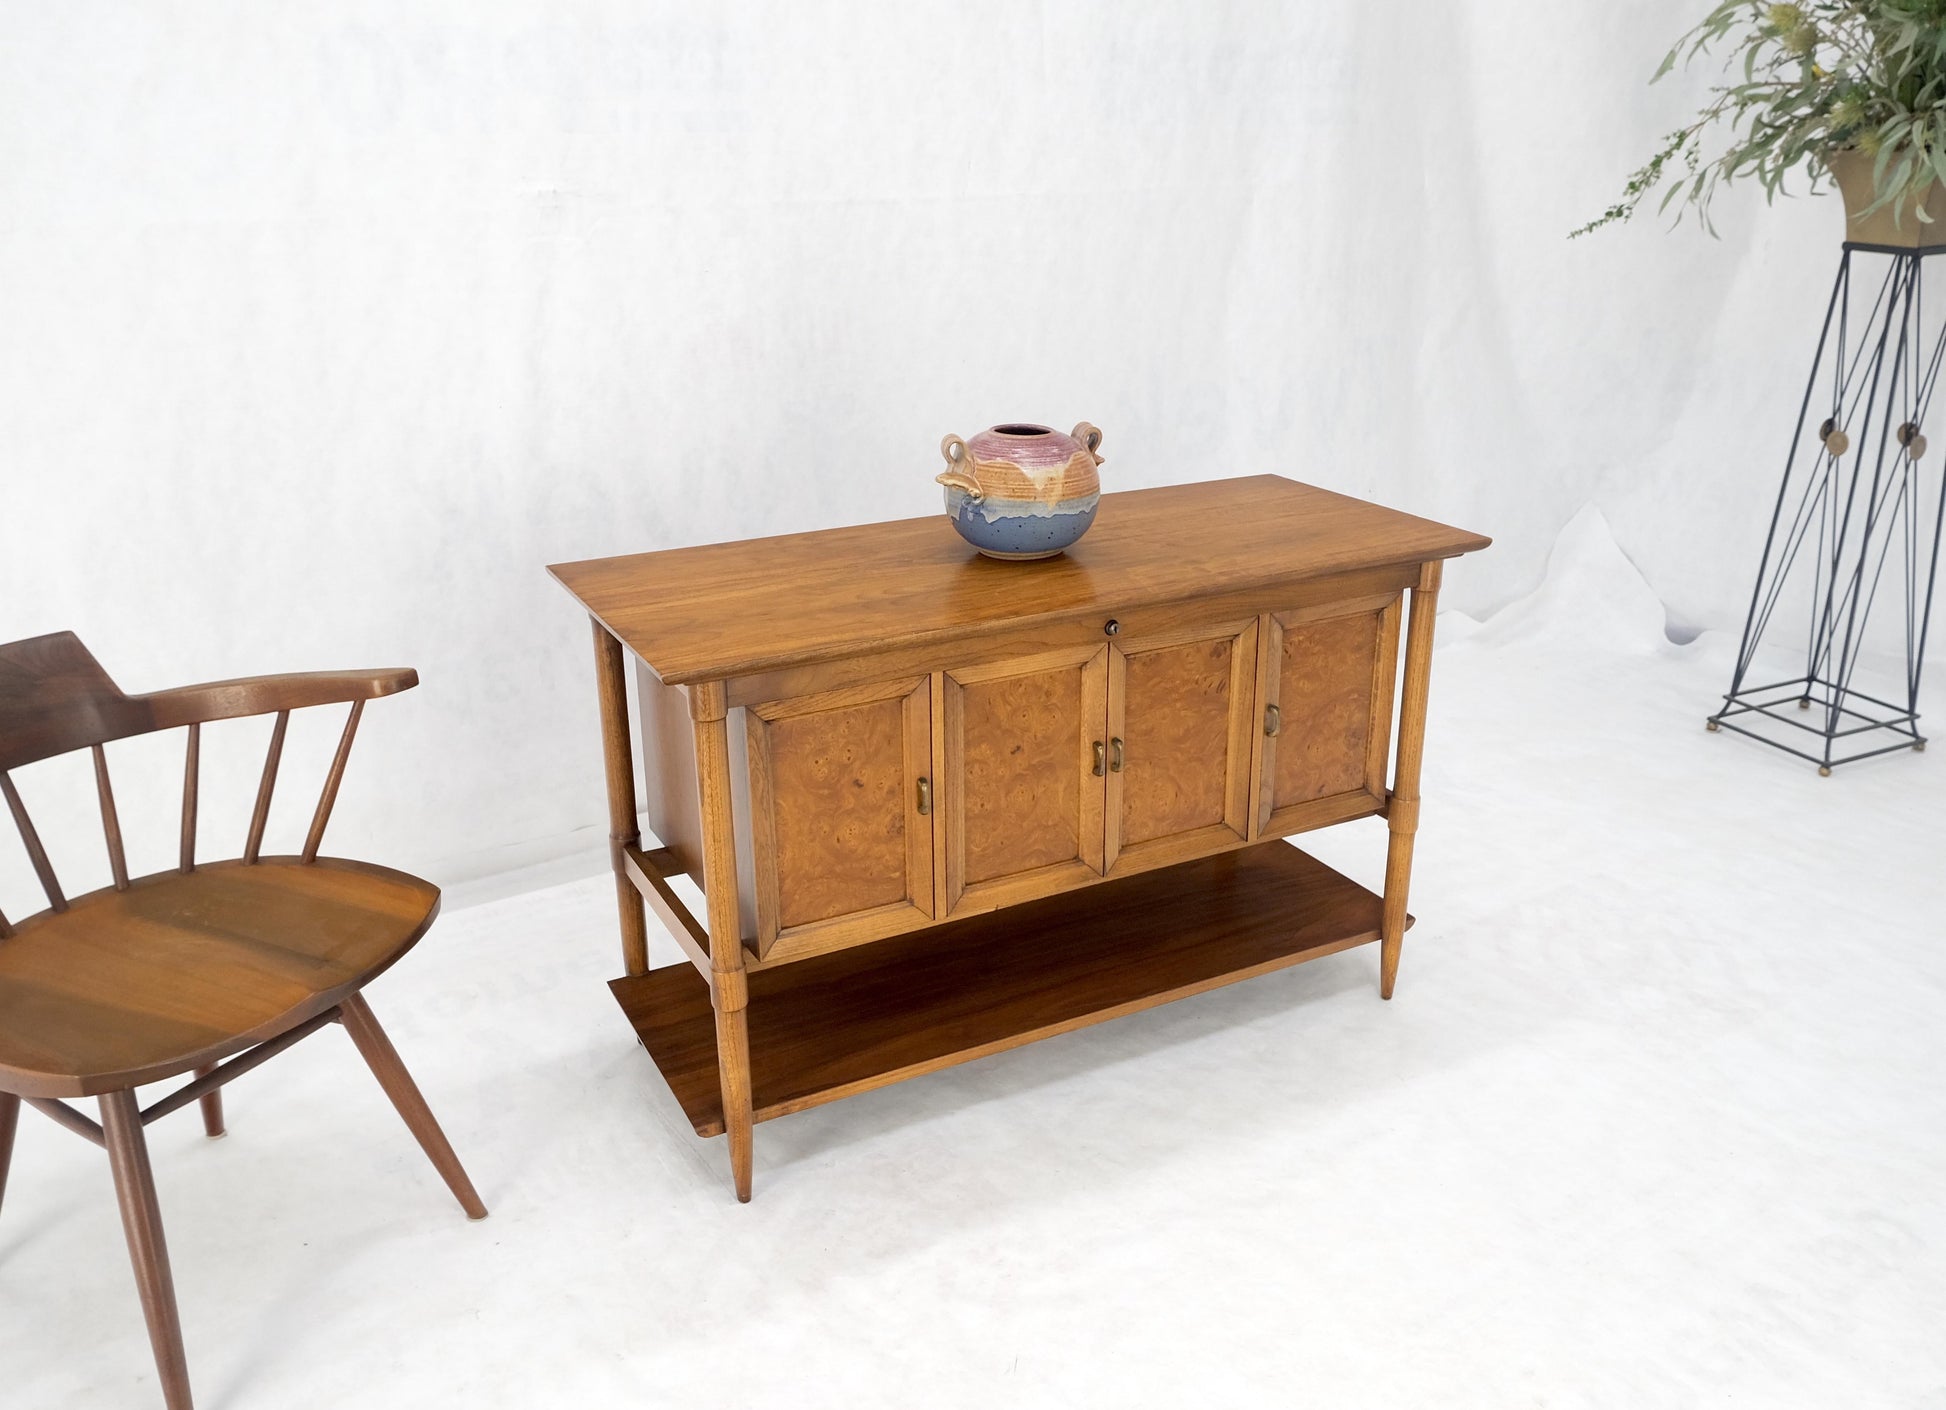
<point x="728" y="609"/>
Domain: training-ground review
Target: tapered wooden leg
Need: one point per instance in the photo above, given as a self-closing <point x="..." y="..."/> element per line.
<point x="612" y="687"/>
<point x="212" y="1105"/>
<point x="733" y="1069"/>
<point x="128" y="1157"/>
<point x="1402" y="808"/>
<point x="730" y="985"/>
<point x="9" y="1123"/>
<point x="1398" y="878"/>
<point x="383" y="1059"/>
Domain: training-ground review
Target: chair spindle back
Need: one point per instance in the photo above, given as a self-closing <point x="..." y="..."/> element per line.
<point x="55" y="698"/>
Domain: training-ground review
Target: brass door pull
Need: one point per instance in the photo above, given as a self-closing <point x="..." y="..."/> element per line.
<point x="1115" y="755"/>
<point x="925" y="797"/>
<point x="1273" y="720"/>
<point x="1098" y="758"/>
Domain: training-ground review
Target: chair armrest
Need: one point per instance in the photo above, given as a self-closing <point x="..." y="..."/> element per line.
<point x="259" y="695"/>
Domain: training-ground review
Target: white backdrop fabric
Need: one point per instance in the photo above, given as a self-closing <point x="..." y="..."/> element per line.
<point x="326" y="327"/>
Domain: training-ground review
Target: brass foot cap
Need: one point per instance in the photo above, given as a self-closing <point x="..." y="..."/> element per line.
<point x="1824" y="771"/>
<point x="1712" y="726"/>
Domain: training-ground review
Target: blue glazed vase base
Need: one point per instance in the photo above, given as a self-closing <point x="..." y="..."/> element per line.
<point x="1021" y="557"/>
<point x="1020" y="532"/>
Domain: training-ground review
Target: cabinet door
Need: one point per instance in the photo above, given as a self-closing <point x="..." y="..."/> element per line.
<point x="842" y="846"/>
<point x="1022" y="797"/>
<point x="1181" y="713"/>
<point x="1328" y="713"/>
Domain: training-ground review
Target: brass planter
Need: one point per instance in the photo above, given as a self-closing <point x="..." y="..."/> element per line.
<point x="1895" y="225"/>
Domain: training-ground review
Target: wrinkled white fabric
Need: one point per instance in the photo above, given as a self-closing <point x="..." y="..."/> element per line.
<point x="327" y="327"/>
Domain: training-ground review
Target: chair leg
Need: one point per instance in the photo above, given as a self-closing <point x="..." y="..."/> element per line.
<point x="383" y="1059"/>
<point x="9" y="1123"/>
<point x="128" y="1156"/>
<point x="212" y="1105"/>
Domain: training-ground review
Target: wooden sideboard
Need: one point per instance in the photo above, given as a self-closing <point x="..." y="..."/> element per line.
<point x="940" y="805"/>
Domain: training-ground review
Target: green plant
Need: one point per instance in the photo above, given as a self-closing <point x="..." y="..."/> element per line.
<point x="1817" y="76"/>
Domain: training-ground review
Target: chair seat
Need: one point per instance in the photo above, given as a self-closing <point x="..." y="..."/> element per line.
<point x="178" y="971"/>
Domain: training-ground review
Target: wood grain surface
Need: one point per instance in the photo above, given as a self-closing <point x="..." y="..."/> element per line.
<point x="723" y="610"/>
<point x="1022" y="797"/>
<point x="1019" y="749"/>
<point x="55" y="697"/>
<point x="729" y="992"/>
<point x="1176" y="729"/>
<point x="845" y="1023"/>
<point x="1325" y="670"/>
<point x="669" y="772"/>
<point x="835" y="781"/>
<point x="624" y="827"/>
<point x="179" y="970"/>
<point x="1402" y="807"/>
<point x="838" y="851"/>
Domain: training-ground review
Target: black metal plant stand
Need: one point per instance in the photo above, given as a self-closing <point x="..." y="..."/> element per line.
<point x="1861" y="494"/>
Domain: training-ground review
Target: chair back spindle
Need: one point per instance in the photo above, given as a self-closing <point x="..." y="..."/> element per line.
<point x="111" y="824"/>
<point x="31" y="839"/>
<point x="269" y="785"/>
<point x="191" y="766"/>
<point x="329" y="797"/>
<point x="55" y="698"/>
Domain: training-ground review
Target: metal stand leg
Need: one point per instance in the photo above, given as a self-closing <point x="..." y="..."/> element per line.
<point x="1842" y="526"/>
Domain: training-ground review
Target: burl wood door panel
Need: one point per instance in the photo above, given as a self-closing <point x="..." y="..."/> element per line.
<point x="842" y="851"/>
<point x="1021" y="796"/>
<point x="1329" y="674"/>
<point x="1181" y="711"/>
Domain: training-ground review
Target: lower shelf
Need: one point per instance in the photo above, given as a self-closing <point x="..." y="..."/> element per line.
<point x="845" y="1023"/>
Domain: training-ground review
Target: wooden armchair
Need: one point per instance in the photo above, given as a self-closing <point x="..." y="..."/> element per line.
<point x="208" y="969"/>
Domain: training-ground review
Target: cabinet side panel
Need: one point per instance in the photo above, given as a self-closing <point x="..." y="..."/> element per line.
<point x="669" y="771"/>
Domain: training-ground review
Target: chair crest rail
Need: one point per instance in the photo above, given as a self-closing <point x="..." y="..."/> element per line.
<point x="55" y="698"/>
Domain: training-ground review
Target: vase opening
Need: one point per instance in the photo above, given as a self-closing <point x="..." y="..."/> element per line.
<point x="1024" y="430"/>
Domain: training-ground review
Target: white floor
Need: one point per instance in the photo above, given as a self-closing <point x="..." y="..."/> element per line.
<point x="1658" y="1118"/>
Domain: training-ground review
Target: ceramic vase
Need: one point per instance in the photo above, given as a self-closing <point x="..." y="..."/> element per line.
<point x="1021" y="491"/>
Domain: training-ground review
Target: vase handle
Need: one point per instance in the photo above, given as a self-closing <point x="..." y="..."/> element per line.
<point x="959" y="468"/>
<point x="1089" y="435"/>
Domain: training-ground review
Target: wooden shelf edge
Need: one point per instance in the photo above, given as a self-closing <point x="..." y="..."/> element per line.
<point x="859" y="1019"/>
